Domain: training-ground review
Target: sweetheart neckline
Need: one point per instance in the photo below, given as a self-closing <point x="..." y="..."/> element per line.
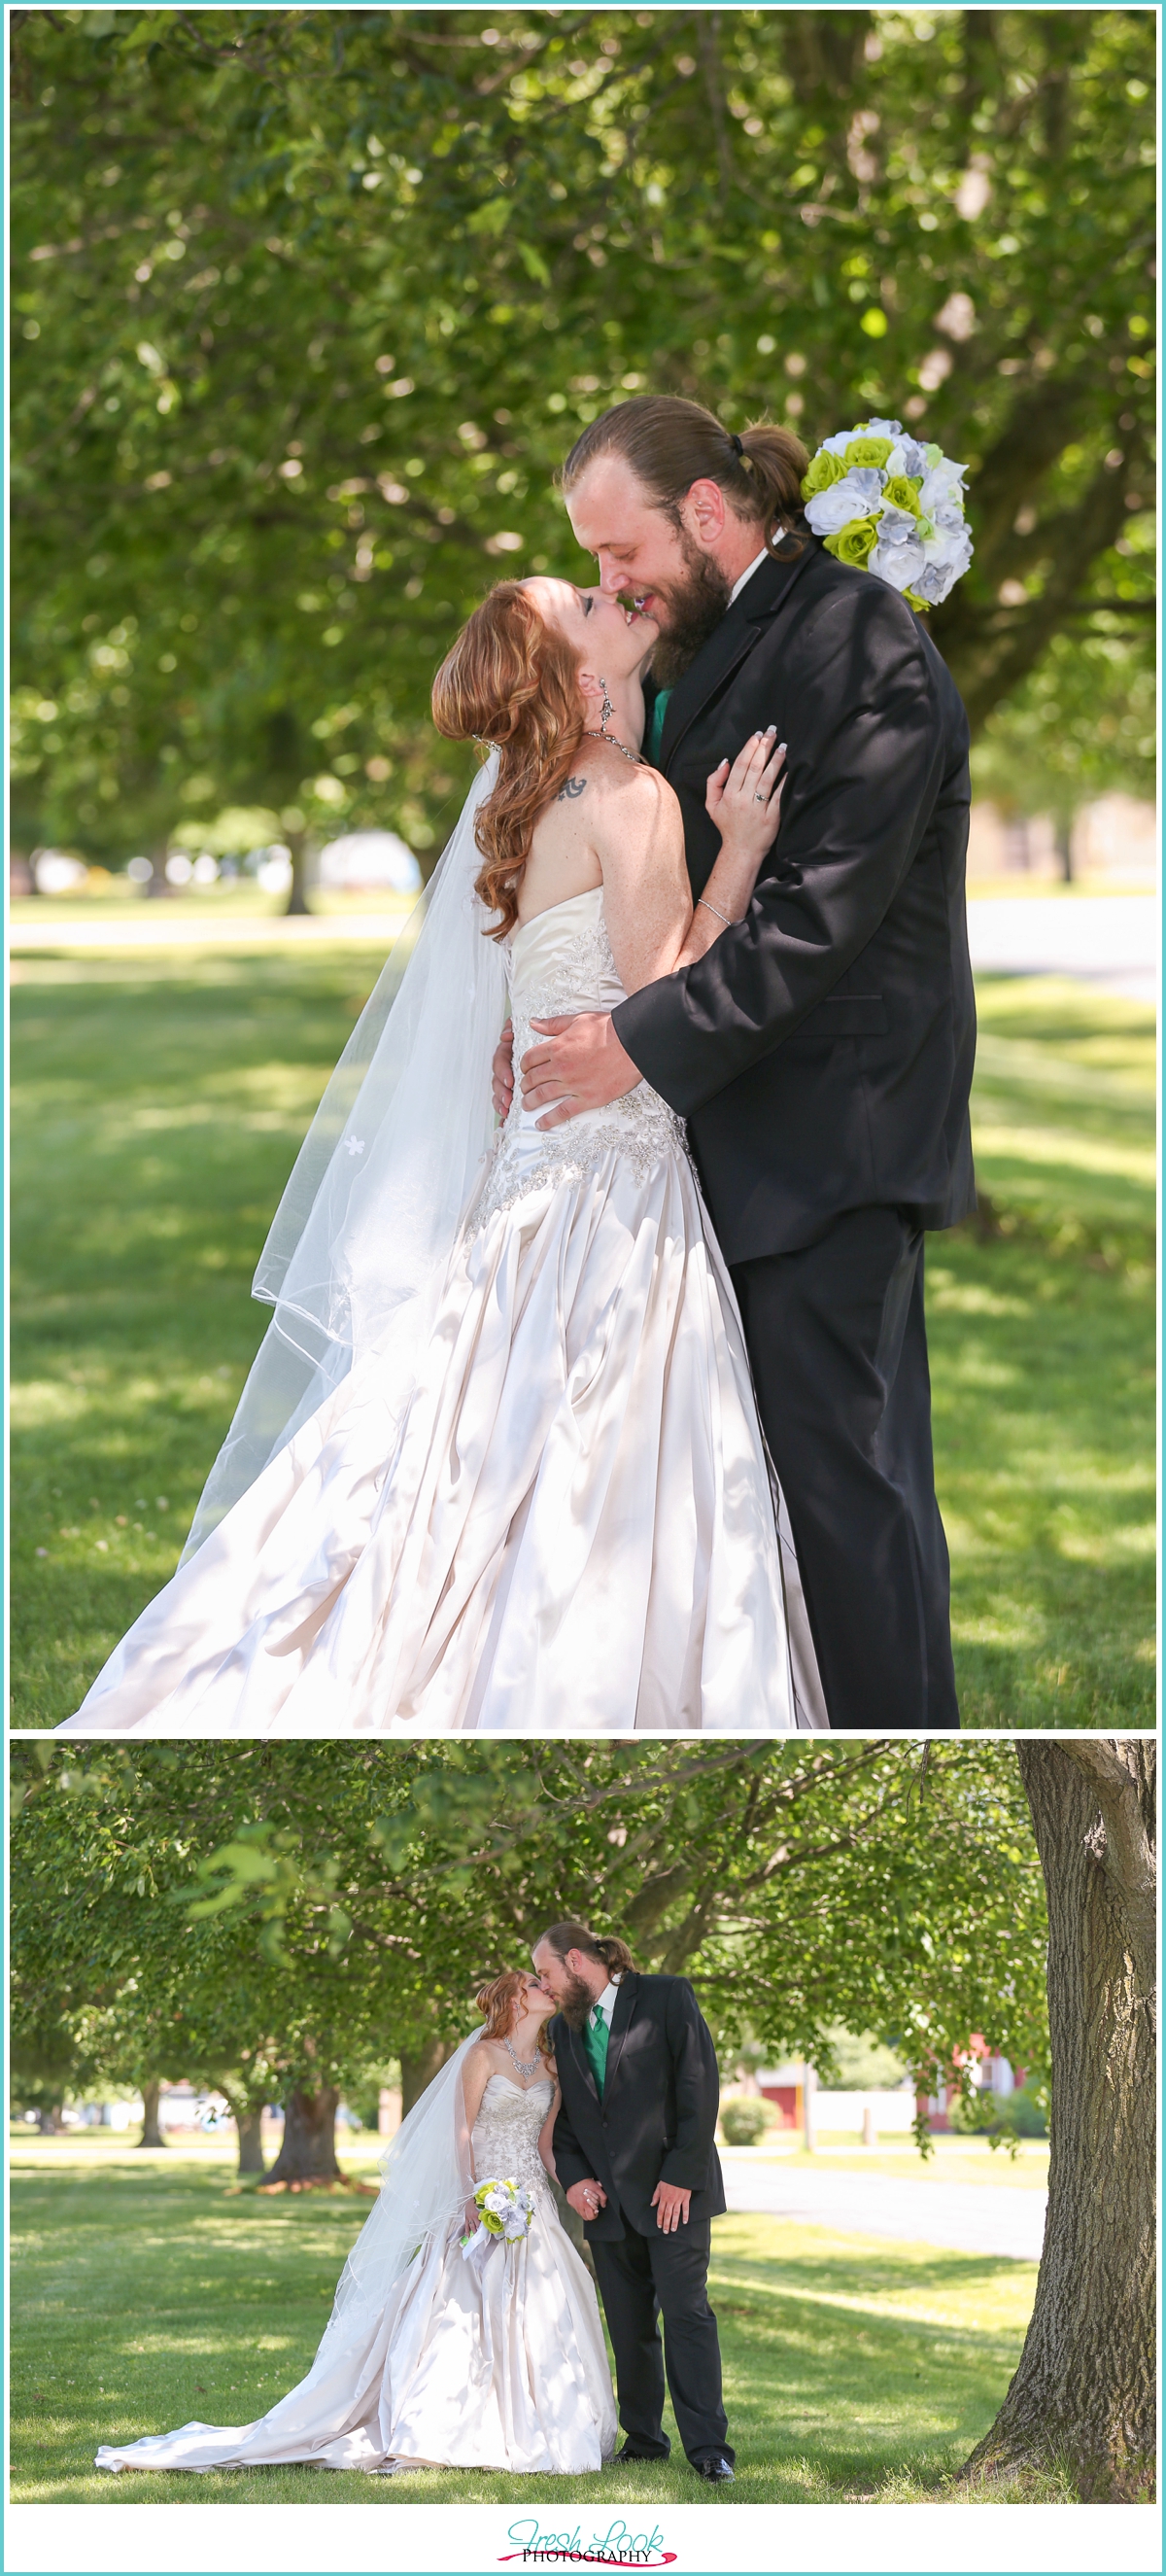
<point x="524" y="2089"/>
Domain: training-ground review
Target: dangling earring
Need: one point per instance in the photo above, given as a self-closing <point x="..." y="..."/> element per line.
<point x="607" y="710"/>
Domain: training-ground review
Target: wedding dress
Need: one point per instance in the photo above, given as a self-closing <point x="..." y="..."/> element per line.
<point x="494" y="2363"/>
<point x="569" y="1528"/>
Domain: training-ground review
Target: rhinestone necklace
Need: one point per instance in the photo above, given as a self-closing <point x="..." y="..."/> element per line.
<point x="524" y="2066"/>
<point x="616" y="745"/>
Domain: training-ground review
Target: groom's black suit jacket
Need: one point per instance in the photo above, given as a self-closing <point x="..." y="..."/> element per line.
<point x="657" y="2120"/>
<point x="822" y="1051"/>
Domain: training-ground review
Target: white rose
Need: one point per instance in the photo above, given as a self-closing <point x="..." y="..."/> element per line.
<point x="943" y="483"/>
<point x="838" y="445"/>
<point x="883" y="429"/>
<point x="949" y="547"/>
<point x="900" y="563"/>
<point x="858" y="493"/>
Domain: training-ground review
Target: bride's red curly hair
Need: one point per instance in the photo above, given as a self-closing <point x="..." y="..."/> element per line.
<point x="496" y="2005"/>
<point x="513" y="681"/>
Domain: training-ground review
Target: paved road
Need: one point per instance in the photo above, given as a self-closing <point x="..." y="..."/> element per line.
<point x="968" y="2218"/>
<point x="1111" y="940"/>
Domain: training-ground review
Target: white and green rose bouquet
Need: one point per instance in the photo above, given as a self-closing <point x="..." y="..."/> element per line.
<point x="506" y="2210"/>
<point x="891" y="505"/>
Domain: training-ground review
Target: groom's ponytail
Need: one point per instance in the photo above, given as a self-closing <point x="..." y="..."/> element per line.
<point x="671" y="444"/>
<point x="612" y="1953"/>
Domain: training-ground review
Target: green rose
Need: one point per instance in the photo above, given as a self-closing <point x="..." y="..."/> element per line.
<point x="933" y="454"/>
<point x="824" y="471"/>
<point x="867" y="451"/>
<point x="852" y="544"/>
<point x="903" y="491"/>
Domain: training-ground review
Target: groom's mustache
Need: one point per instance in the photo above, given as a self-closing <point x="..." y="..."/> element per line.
<point x="687" y="611"/>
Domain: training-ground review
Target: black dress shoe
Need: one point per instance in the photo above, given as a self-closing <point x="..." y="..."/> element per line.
<point x="652" y="2457"/>
<point x="716" y="2470"/>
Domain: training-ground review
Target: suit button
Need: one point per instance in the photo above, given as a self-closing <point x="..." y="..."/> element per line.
<point x="605" y="2119"/>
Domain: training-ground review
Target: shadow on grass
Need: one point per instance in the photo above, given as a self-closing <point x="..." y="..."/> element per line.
<point x="145" y="2297"/>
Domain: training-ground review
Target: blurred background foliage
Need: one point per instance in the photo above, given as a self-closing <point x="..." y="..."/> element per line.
<point x="308" y="306"/>
<point x="284" y="1915"/>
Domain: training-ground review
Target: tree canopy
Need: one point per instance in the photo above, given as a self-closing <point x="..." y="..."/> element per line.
<point x="305" y="1908"/>
<point x="309" y="304"/>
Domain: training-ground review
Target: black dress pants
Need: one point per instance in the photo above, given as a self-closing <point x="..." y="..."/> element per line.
<point x="644" y="2278"/>
<point x="838" y="1349"/>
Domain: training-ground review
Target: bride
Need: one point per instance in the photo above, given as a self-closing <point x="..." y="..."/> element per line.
<point x="497" y="1466"/>
<point x="430" y="2359"/>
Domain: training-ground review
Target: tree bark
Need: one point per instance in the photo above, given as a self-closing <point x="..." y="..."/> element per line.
<point x="1083" y="2394"/>
<point x="151" y="2133"/>
<point x="1063" y="841"/>
<point x="297" y="901"/>
<point x="248" y="2124"/>
<point x="419" y="2070"/>
<point x="308" y="2152"/>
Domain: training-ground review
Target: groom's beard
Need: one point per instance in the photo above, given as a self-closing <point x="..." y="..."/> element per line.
<point x="575" y="2004"/>
<point x="693" y="608"/>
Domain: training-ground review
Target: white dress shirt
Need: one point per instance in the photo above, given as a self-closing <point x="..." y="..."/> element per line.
<point x="605" y="2003"/>
<point x="748" y="573"/>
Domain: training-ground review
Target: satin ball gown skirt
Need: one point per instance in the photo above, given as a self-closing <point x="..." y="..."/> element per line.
<point x="573" y="1530"/>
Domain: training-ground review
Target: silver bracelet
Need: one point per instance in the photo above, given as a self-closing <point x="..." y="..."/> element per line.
<point x="729" y="923"/>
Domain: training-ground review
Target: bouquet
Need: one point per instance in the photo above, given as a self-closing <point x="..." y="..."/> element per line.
<point x="507" y="2209"/>
<point x="892" y="506"/>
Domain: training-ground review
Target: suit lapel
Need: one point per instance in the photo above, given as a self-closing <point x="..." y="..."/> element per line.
<point x="730" y="644"/>
<point x="624" y="2007"/>
<point x="582" y="2061"/>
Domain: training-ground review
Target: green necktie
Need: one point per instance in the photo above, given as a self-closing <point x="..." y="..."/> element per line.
<point x="651" y="746"/>
<point x="595" y="2039"/>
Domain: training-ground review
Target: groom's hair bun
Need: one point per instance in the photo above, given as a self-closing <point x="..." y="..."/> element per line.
<point x="609" y="1951"/>
<point x="671" y="444"/>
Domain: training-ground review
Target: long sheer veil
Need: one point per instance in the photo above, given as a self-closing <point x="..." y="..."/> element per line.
<point x="426" y="2179"/>
<point x="359" y="1248"/>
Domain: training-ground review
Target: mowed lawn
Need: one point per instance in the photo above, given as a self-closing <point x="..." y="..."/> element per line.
<point x="149" y="2292"/>
<point x="158" y="1105"/>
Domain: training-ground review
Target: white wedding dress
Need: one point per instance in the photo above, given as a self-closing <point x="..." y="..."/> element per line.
<point x="497" y="2363"/>
<point x="572" y="1530"/>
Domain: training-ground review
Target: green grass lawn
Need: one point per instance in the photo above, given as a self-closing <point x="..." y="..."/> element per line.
<point x="158" y="1104"/>
<point x="147" y="2292"/>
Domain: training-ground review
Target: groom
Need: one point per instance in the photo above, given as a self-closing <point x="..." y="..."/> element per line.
<point x="822" y="1050"/>
<point x="635" y="2152"/>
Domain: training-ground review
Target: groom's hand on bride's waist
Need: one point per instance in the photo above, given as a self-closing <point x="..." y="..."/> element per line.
<point x="671" y="2206"/>
<point x="580" y="1064"/>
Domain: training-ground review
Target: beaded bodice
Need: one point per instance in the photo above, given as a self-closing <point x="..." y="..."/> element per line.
<point x="506" y="2131"/>
<point x="558" y="965"/>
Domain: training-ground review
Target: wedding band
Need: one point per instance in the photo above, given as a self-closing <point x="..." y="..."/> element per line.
<point x="759" y="800"/>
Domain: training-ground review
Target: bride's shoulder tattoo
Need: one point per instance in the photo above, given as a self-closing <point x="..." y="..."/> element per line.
<point x="570" y="787"/>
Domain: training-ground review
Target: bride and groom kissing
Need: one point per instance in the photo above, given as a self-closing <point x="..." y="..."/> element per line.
<point x="450" y="2350"/>
<point x="620" y="1419"/>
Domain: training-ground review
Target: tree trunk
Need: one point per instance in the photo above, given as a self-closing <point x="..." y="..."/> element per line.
<point x="1084" y="2390"/>
<point x="248" y="2124"/>
<point x="151" y="2133"/>
<point x="296" y="843"/>
<point x="308" y="2153"/>
<point x="1063" y="843"/>
<point x="419" y="2070"/>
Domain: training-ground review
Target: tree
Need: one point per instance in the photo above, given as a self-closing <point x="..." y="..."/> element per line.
<point x="332" y="1902"/>
<point x="1081" y="726"/>
<point x="308" y="306"/>
<point x="1084" y="2390"/>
